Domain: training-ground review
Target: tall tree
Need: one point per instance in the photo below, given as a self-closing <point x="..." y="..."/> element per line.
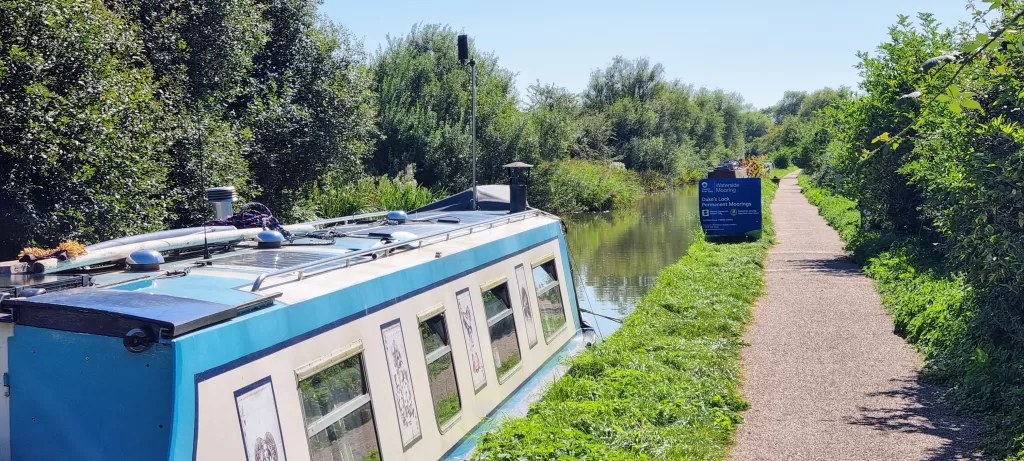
<point x="425" y="111"/>
<point x="80" y="154"/>
<point x="312" y="110"/>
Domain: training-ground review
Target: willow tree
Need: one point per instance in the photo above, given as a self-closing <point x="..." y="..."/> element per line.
<point x="425" y="110"/>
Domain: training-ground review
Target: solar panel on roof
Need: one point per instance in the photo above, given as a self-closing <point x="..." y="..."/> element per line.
<point x="271" y="259"/>
<point x="420" y="230"/>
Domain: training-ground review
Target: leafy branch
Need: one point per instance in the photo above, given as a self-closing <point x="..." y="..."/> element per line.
<point x="952" y="95"/>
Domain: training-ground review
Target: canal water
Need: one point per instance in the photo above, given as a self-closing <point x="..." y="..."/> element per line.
<point x="617" y="255"/>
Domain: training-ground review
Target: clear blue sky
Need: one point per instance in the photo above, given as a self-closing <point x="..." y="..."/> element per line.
<point x="758" y="48"/>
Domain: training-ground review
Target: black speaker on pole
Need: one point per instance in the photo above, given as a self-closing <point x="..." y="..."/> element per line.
<point x="463" y="48"/>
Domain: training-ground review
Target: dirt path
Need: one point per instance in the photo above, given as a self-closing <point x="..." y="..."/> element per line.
<point x="825" y="376"/>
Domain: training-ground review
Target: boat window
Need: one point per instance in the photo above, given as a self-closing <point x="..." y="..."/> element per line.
<point x="339" y="418"/>
<point x="549" y="298"/>
<point x="502" y="326"/>
<point x="444" y="390"/>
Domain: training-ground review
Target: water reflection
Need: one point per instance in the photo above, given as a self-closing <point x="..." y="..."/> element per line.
<point x="618" y="255"/>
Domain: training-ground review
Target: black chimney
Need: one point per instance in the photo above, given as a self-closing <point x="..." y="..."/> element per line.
<point x="519" y="182"/>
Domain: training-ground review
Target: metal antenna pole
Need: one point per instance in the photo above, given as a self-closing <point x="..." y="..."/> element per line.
<point x="202" y="173"/>
<point x="472" y="64"/>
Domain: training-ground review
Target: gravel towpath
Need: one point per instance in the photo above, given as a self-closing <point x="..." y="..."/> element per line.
<point x="825" y="376"/>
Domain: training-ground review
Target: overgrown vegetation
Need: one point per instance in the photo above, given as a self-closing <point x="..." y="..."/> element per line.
<point x="920" y="172"/>
<point x="663" y="386"/>
<point x="571" y="186"/>
<point x="117" y="114"/>
<point x="334" y="196"/>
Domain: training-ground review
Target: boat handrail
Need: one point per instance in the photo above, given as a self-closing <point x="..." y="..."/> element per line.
<point x="346" y="219"/>
<point x="384" y="250"/>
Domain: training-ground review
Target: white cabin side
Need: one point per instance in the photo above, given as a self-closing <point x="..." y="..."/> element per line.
<point x="220" y="432"/>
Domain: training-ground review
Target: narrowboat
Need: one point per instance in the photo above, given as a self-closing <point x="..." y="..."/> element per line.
<point x="384" y="336"/>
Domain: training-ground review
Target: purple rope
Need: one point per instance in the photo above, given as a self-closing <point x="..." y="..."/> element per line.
<point x="252" y="215"/>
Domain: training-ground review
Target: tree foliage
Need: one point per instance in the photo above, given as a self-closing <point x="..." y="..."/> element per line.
<point x="118" y="114"/>
<point x="80" y="146"/>
<point x="425" y="106"/>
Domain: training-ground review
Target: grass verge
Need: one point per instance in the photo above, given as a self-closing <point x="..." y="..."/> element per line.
<point x="664" y="386"/>
<point x="944" y="317"/>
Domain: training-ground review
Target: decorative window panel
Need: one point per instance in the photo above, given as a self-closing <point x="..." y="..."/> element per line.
<point x="467" y="319"/>
<point x="524" y="298"/>
<point x="401" y="383"/>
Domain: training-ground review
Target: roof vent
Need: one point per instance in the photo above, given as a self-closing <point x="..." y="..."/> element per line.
<point x="269" y="239"/>
<point x="397" y="217"/>
<point x="403" y="236"/>
<point x="145" y="261"/>
<point x="221" y="199"/>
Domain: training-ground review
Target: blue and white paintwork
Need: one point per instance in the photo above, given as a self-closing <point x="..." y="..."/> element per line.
<point x="85" y="396"/>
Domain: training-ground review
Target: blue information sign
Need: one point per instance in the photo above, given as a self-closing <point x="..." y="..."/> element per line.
<point x="730" y="207"/>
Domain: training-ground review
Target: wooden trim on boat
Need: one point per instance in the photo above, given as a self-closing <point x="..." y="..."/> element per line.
<point x="493" y="283"/>
<point x="320" y="364"/>
<point x="508" y="374"/>
<point x="429" y="313"/>
<point x="542" y="260"/>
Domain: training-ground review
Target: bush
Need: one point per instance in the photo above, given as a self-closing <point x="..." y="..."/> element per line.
<point x="781" y="160"/>
<point x="333" y="197"/>
<point x="80" y="155"/>
<point x="755" y="167"/>
<point x="574" y="186"/>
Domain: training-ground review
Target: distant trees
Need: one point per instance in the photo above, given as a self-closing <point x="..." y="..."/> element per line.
<point x="796" y="131"/>
<point x="631" y="113"/>
<point x="117" y="114"/>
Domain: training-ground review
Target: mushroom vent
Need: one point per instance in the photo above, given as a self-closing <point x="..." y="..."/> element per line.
<point x="145" y="261"/>
<point x="397" y="217"/>
<point x="221" y="199"/>
<point x="220" y="194"/>
<point x="269" y="239"/>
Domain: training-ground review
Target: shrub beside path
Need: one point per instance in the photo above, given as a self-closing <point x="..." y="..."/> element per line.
<point x="825" y="376"/>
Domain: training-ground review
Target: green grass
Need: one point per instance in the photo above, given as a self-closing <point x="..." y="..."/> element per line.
<point x="840" y="212"/>
<point x="944" y="317"/>
<point x="662" y="387"/>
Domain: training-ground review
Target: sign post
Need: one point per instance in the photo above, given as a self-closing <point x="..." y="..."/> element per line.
<point x="731" y="207"/>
